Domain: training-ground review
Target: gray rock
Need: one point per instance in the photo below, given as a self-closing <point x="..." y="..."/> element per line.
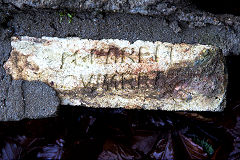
<point x="174" y="25"/>
<point x="176" y="13"/>
<point x="34" y="3"/>
<point x="21" y="99"/>
<point x="164" y="9"/>
<point x="14" y="109"/>
<point x="40" y="100"/>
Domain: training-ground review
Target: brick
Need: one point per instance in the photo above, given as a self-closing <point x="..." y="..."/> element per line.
<point x="112" y="73"/>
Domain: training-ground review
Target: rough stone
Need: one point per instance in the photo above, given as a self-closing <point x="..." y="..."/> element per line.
<point x="43" y="20"/>
<point x="40" y="100"/>
<point x="19" y="98"/>
<point x="117" y="74"/>
<point x="182" y="17"/>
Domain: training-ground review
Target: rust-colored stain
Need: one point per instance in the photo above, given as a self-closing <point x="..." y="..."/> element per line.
<point x="115" y="73"/>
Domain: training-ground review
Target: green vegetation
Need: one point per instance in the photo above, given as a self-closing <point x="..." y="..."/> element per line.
<point x="205" y="145"/>
<point x="70" y="16"/>
<point x="63" y="14"/>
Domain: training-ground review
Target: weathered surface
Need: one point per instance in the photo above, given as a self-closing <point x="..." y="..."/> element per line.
<point x="114" y="73"/>
<point x="27" y="100"/>
<point x="22" y="99"/>
<point x="170" y="21"/>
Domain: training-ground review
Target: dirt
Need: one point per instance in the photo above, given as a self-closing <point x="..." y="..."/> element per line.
<point x="167" y="21"/>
